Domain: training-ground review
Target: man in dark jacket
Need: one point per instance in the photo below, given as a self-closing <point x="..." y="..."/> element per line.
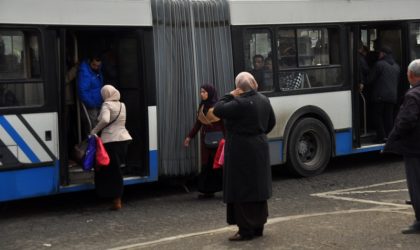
<point x="404" y="140"/>
<point x="384" y="78"/>
<point x="248" y="117"/>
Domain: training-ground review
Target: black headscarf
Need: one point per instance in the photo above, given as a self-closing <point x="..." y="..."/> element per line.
<point x="212" y="97"/>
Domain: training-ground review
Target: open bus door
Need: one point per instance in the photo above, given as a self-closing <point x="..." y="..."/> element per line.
<point x="358" y="104"/>
<point x="123" y="66"/>
<point x="373" y="37"/>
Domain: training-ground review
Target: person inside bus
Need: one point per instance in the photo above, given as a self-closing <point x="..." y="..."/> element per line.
<point x="404" y="140"/>
<point x="258" y="68"/>
<point x="267" y="84"/>
<point x="115" y="136"/>
<point x="383" y="80"/>
<point x="209" y="179"/>
<point x="248" y="117"/>
<point x="7" y="97"/>
<point x="90" y="82"/>
<point x="363" y="65"/>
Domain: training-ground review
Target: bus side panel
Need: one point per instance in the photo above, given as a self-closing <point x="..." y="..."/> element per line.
<point x="153" y="147"/>
<point x="343" y="142"/>
<point x="30" y="182"/>
<point x="276" y="152"/>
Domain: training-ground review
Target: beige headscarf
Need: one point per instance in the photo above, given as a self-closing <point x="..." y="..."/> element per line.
<point x="109" y="93"/>
<point x="246" y="81"/>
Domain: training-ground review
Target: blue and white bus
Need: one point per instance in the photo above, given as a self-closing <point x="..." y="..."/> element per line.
<point x="158" y="53"/>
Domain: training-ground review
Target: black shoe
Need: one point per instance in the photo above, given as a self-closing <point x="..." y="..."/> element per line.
<point x="408" y="202"/>
<point x="238" y="237"/>
<point x="413" y="229"/>
<point x="206" y="196"/>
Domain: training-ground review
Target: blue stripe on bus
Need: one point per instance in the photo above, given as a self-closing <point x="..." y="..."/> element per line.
<point x="344" y="144"/>
<point x="19" y="140"/>
<point x="25" y="183"/>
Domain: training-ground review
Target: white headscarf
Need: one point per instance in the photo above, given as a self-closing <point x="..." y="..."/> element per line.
<point x="109" y="93"/>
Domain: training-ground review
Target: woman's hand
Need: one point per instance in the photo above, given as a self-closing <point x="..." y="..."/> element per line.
<point x="187" y="141"/>
<point x="236" y="92"/>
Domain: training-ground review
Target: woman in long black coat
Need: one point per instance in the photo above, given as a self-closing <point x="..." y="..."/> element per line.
<point x="248" y="117"/>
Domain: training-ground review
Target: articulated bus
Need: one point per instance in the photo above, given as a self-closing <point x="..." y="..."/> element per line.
<point x="159" y="52"/>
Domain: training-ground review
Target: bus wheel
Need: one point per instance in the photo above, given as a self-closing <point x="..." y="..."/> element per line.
<point x="309" y="148"/>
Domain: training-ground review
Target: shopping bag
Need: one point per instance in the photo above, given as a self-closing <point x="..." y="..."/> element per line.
<point x="219" y="156"/>
<point x="89" y="159"/>
<point x="102" y="157"/>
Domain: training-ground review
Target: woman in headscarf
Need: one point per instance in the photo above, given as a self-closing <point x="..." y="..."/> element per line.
<point x="248" y="117"/>
<point x="209" y="180"/>
<point x="111" y="125"/>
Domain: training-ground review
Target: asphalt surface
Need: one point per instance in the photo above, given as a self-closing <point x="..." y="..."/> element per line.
<point x="358" y="203"/>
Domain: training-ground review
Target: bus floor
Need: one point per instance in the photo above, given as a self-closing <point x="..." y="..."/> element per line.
<point x="78" y="176"/>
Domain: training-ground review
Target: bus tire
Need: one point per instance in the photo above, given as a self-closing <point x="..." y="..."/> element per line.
<point x="309" y="148"/>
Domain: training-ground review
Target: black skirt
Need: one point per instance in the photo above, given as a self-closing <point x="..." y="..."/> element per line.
<point x="109" y="179"/>
<point x="210" y="180"/>
<point x="249" y="216"/>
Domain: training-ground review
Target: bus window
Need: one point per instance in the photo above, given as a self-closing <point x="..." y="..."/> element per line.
<point x="286" y="47"/>
<point x="414" y="41"/>
<point x="308" y="58"/>
<point x="258" y="58"/>
<point x="20" y="71"/>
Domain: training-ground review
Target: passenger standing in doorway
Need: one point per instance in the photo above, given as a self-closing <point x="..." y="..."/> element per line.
<point x="404" y="140"/>
<point x="209" y="180"/>
<point x="384" y="79"/>
<point x="248" y="117"/>
<point x="111" y="126"/>
<point x="90" y="82"/>
<point x="363" y="65"/>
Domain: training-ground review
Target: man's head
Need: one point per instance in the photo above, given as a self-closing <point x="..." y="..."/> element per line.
<point x="245" y="82"/>
<point x="413" y="72"/>
<point x="95" y="63"/>
<point x="258" y="61"/>
<point x="384" y="51"/>
<point x="362" y="49"/>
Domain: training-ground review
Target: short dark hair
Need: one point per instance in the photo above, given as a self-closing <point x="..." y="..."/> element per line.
<point x="385" y="49"/>
<point x="258" y="56"/>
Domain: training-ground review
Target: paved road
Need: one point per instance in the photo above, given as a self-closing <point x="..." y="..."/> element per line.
<point x="358" y="203"/>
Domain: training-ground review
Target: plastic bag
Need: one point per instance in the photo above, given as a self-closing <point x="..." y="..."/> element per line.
<point x="219" y="158"/>
<point x="89" y="159"/>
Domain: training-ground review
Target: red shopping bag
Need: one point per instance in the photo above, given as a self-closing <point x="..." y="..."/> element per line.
<point x="102" y="157"/>
<point x="219" y="158"/>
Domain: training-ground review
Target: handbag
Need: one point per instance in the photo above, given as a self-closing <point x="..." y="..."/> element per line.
<point x="89" y="159"/>
<point x="102" y="157"/>
<point x="212" y="138"/>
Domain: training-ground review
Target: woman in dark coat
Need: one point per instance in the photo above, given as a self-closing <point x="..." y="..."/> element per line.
<point x="248" y="118"/>
<point x="209" y="180"/>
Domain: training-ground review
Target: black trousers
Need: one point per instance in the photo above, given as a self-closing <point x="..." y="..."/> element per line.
<point x="249" y="216"/>
<point x="383" y="118"/>
<point x="412" y="171"/>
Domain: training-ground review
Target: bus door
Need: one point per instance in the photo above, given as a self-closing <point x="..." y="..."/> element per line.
<point x="358" y="107"/>
<point x="121" y="52"/>
<point x="370" y="38"/>
<point x="133" y="88"/>
<point x="28" y="113"/>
